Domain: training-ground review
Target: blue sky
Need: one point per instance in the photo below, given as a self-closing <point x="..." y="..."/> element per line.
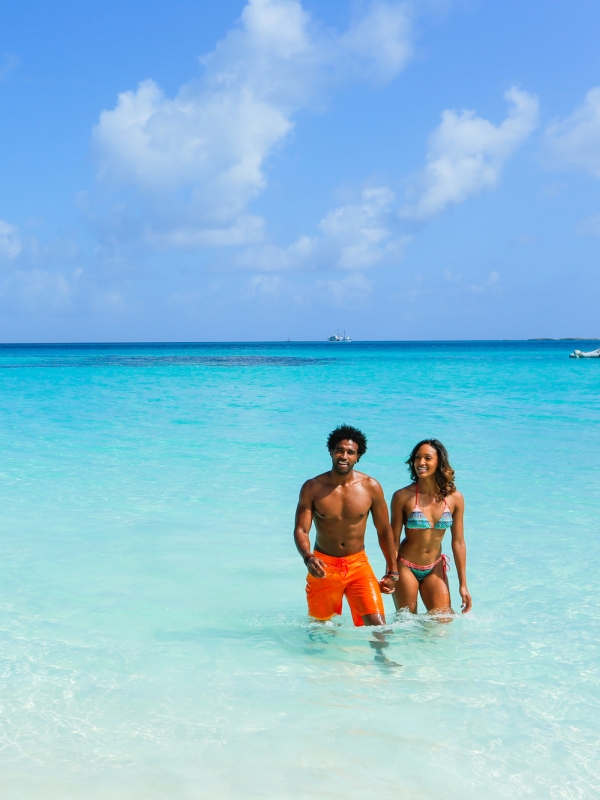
<point x="256" y="171"/>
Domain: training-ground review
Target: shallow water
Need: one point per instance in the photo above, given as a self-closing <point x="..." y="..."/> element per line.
<point x="153" y="632"/>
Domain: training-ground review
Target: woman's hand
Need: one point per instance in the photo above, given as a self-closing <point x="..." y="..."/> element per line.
<point x="466" y="599"/>
<point x="387" y="585"/>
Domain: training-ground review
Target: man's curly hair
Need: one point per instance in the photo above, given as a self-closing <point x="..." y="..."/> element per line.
<point x="347" y="432"/>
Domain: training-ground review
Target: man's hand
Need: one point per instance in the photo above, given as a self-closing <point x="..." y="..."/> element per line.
<point x="466" y="599"/>
<point x="316" y="567"/>
<point x="387" y="585"/>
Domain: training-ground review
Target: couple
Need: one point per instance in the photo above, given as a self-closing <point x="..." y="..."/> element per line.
<point x="339" y="502"/>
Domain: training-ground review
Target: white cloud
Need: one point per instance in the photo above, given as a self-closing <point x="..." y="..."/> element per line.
<point x="361" y="233"/>
<point x="245" y="229"/>
<point x="491" y="284"/>
<point x="589" y="226"/>
<point x="575" y="141"/>
<point x="111" y="300"/>
<point x="8" y="63"/>
<point x="466" y="154"/>
<point x="268" y="286"/>
<point x="38" y="290"/>
<point x="353" y="288"/>
<point x="191" y="164"/>
<point x="355" y="236"/>
<point x="10" y="241"/>
<point x="382" y="38"/>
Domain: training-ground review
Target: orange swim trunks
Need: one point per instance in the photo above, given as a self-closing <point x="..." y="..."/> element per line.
<point x="351" y="576"/>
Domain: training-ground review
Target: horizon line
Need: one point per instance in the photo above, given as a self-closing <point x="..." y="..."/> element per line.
<point x="290" y="341"/>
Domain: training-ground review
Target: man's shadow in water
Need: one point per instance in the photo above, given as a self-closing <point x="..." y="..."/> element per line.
<point x="321" y="636"/>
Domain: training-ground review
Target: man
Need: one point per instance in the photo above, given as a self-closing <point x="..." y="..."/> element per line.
<point x="339" y="502"/>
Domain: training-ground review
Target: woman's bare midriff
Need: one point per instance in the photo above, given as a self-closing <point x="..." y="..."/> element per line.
<point x="421" y="546"/>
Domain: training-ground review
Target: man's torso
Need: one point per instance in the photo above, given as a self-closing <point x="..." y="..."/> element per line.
<point x="340" y="513"/>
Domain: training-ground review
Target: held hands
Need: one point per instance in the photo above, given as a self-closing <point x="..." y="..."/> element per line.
<point x="387" y="584"/>
<point x="315" y="566"/>
<point x="466" y="599"/>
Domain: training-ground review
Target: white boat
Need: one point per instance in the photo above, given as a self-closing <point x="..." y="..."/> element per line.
<point x="590" y="354"/>
<point x="337" y="338"/>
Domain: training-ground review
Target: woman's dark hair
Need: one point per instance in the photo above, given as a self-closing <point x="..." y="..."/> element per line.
<point x="347" y="432"/>
<point x="444" y="474"/>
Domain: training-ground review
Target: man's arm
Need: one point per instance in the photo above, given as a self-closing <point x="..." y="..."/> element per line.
<point x="304" y="517"/>
<point x="381" y="520"/>
<point x="459" y="551"/>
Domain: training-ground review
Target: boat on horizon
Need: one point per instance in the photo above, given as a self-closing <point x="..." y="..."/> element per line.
<point x="589" y="354"/>
<point x="337" y="338"/>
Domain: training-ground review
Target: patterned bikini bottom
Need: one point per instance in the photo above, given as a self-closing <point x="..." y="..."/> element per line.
<point x="421" y="571"/>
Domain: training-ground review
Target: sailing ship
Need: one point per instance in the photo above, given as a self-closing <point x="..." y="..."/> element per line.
<point x="337" y="338"/>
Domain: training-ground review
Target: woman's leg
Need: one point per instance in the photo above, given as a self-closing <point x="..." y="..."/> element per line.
<point x="435" y="591"/>
<point x="407" y="589"/>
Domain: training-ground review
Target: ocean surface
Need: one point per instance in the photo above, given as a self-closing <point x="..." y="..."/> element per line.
<point x="154" y="641"/>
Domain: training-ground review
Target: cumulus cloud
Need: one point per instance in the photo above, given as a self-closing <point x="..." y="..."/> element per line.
<point x="361" y="234"/>
<point x="335" y="291"/>
<point x="491" y="284"/>
<point x="10" y="241"/>
<point x="355" y="236"/>
<point x="8" y="63"/>
<point x="191" y="164"/>
<point x="467" y="153"/>
<point x="354" y="288"/>
<point x="589" y="226"/>
<point x="245" y="229"/>
<point x="39" y="291"/>
<point x="575" y="140"/>
<point x="268" y="286"/>
<point x="381" y="39"/>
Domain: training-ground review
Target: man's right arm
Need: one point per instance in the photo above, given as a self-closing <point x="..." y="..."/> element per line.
<point x="304" y="517"/>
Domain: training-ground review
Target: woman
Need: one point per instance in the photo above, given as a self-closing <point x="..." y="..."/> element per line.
<point x="426" y="509"/>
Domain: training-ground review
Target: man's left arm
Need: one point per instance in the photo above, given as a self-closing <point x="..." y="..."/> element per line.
<point x="381" y="520"/>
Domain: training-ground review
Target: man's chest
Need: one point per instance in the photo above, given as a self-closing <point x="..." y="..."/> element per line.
<point x="342" y="503"/>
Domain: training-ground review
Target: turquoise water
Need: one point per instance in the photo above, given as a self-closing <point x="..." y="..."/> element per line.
<point x="153" y="632"/>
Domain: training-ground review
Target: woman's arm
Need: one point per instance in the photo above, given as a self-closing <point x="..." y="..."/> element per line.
<point x="459" y="550"/>
<point x="398" y="501"/>
<point x="381" y="520"/>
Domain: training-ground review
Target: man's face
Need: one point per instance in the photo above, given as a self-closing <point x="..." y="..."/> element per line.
<point x="344" y="456"/>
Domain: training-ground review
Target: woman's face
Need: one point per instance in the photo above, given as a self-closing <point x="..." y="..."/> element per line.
<point x="426" y="461"/>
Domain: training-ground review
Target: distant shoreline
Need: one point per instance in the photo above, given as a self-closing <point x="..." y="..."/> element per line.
<point x="567" y="339"/>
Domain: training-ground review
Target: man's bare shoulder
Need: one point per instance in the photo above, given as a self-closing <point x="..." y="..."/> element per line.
<point x="366" y="482"/>
<point x="325" y="479"/>
<point x="370" y="483"/>
<point x="319" y="480"/>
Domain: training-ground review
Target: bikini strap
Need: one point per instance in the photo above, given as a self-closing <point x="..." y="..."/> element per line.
<point x="417" y="494"/>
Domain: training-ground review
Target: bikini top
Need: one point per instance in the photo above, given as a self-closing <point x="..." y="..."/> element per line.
<point x="417" y="518"/>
